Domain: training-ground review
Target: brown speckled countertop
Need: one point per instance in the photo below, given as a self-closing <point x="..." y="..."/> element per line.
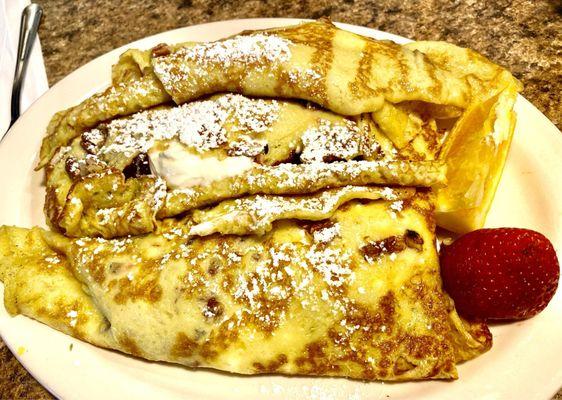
<point x="522" y="35"/>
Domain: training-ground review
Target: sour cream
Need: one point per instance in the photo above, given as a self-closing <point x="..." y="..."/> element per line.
<point x="182" y="168"/>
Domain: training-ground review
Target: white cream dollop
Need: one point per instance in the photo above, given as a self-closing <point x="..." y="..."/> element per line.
<point x="182" y="168"/>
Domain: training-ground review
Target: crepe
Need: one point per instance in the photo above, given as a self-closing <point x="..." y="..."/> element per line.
<point x="346" y="73"/>
<point x="276" y="190"/>
<point x="357" y="294"/>
<point x="381" y="101"/>
<point x="341" y="71"/>
<point x="255" y="146"/>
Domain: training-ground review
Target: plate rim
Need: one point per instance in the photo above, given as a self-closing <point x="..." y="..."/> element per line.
<point x="255" y="23"/>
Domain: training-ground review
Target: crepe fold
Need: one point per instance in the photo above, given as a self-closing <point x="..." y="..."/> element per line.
<point x="345" y="73"/>
<point x="357" y="294"/>
<point x="308" y="93"/>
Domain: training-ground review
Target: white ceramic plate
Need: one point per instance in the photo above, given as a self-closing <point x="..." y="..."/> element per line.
<point x="524" y="363"/>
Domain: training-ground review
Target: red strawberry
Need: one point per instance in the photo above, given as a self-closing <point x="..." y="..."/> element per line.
<point x="505" y="273"/>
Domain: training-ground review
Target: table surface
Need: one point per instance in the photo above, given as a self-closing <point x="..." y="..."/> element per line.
<point x="522" y="35"/>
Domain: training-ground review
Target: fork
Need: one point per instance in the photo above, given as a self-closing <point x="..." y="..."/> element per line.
<point x="30" y="18"/>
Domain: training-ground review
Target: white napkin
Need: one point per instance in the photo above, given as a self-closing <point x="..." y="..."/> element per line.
<point x="35" y="83"/>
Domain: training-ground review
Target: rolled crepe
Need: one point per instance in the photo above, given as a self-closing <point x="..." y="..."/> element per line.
<point x="355" y="295"/>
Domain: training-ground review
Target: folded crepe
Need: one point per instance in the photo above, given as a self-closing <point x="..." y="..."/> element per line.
<point x="381" y="101"/>
<point x="206" y="151"/>
<point x="339" y="284"/>
<point x="279" y="190"/>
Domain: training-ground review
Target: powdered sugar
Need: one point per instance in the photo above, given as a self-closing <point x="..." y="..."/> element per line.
<point x="309" y="178"/>
<point x="261" y="49"/>
<point x="327" y="234"/>
<point x="395" y="208"/>
<point x="104" y="215"/>
<point x="397" y="205"/>
<point x="334" y="264"/>
<point x="73" y="316"/>
<point x="199" y="125"/>
<point x="256" y="214"/>
<point x="246" y="146"/>
<point x="329" y="140"/>
<point x="53" y="259"/>
<point x="160" y="190"/>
